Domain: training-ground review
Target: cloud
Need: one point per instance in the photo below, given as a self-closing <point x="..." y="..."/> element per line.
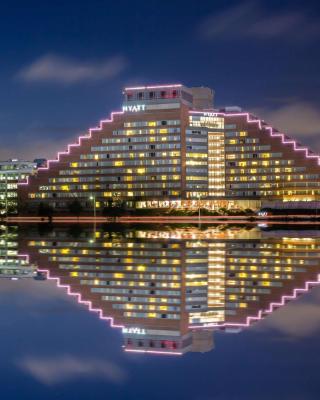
<point x="56" y="69"/>
<point x="56" y="370"/>
<point x="300" y="119"/>
<point x="249" y="20"/>
<point x="295" y="320"/>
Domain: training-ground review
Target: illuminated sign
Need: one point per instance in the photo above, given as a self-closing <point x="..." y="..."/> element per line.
<point x="210" y="114"/>
<point x="134" y="330"/>
<point x="134" y="108"/>
<point x="207" y="120"/>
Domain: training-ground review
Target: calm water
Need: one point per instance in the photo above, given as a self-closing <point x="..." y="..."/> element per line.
<point x="215" y="313"/>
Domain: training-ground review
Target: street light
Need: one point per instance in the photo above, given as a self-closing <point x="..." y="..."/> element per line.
<point x="93" y="198"/>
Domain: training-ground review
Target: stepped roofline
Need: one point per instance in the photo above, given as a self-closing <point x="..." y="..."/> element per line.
<point x="249" y="117"/>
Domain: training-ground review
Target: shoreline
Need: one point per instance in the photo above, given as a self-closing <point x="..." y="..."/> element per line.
<point x="274" y="219"/>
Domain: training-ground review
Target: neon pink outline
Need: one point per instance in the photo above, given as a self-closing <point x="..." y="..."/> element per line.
<point x="87" y="303"/>
<point x="261" y="314"/>
<point x="170" y="353"/>
<point x="154" y="87"/>
<point x="284" y="138"/>
<point x="249" y="320"/>
<point x="26" y="257"/>
<point x="77" y="144"/>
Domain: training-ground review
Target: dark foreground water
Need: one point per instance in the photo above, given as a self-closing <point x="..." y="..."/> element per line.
<point x="209" y="314"/>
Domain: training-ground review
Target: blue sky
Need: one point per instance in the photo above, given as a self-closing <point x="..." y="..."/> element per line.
<point x="64" y="64"/>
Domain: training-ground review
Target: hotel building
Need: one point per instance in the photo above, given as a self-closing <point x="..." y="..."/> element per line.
<point x="169" y="290"/>
<point x="169" y="147"/>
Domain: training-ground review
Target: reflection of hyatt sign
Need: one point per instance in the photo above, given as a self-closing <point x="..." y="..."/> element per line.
<point x="135" y="108"/>
<point x="135" y="331"/>
<point x="210" y="114"/>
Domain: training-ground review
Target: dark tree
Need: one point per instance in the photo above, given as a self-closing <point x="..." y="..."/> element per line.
<point x="45" y="210"/>
<point x="75" y="207"/>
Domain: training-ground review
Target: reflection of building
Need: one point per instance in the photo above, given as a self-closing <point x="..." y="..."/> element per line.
<point x="12" y="264"/>
<point x="167" y="341"/>
<point x="162" y="287"/>
<point x="12" y="172"/>
<point x="170" y="148"/>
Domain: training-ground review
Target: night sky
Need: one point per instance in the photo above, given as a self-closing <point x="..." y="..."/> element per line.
<point x="64" y="63"/>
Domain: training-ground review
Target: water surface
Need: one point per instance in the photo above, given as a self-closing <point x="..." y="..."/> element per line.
<point x="215" y="313"/>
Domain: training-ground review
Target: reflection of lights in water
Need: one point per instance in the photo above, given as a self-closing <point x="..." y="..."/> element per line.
<point x="225" y="278"/>
<point x="170" y="353"/>
<point x="262" y="313"/>
<point x="78" y="296"/>
<point x="194" y="233"/>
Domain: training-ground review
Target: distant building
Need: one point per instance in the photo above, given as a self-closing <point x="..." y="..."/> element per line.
<point x="40" y="162"/>
<point x="169" y="147"/>
<point x="12" y="172"/>
<point x="13" y="265"/>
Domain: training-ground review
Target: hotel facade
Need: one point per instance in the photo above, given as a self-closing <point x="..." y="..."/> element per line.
<point x="169" y="147"/>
